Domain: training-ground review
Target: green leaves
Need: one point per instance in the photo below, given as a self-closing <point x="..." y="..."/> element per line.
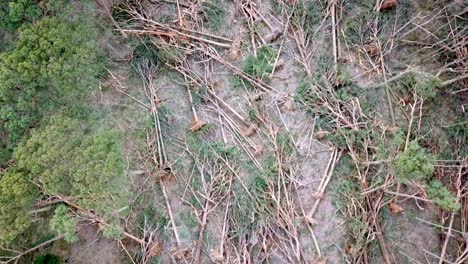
<point x="51" y="54"/>
<point x="14" y="13"/>
<point x="65" y="158"/>
<point x="16" y="196"/>
<point x="63" y="223"/>
<point x="52" y="64"/>
<point x="49" y="154"/>
<point x="441" y="196"/>
<point x="414" y="163"/>
<point x="423" y="83"/>
<point x="214" y="13"/>
<point x="98" y="173"/>
<point x="260" y="66"/>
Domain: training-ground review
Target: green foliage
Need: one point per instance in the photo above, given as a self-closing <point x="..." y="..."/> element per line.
<point x="14" y="123"/>
<point x="414" y="163"/>
<point x="285" y="144"/>
<point x="16" y="196"/>
<point x="355" y="138"/>
<point x="458" y="137"/>
<point x="303" y="92"/>
<point x="5" y="155"/>
<point x="307" y="15"/>
<point x="57" y="7"/>
<point x="357" y="32"/>
<point x="392" y="145"/>
<point x="149" y="216"/>
<point x="63" y="223"/>
<point x="209" y="150"/>
<point x="47" y="259"/>
<point x="188" y="219"/>
<point x="361" y="15"/>
<point x="98" y="173"/>
<point x="214" y="12"/>
<point x="145" y="52"/>
<point x="270" y="166"/>
<point x="347" y="89"/>
<point x="114" y="231"/>
<point x="441" y="196"/>
<point x="424" y="84"/>
<point x="258" y="67"/>
<point x="199" y="95"/>
<point x="169" y="54"/>
<point x="52" y="63"/>
<point x="66" y="158"/>
<point x="308" y="97"/>
<point x="49" y="153"/>
<point x="14" y="13"/>
<point x="51" y="54"/>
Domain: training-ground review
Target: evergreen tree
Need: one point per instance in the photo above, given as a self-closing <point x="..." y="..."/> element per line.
<point x="49" y="154"/>
<point x="15" y="13"/>
<point x="16" y="197"/>
<point x="53" y="63"/>
<point x="66" y="158"/>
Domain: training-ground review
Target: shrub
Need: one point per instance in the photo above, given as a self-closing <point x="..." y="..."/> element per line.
<point x="441" y="196"/>
<point x="50" y="55"/>
<point x="98" y="173"/>
<point x="113" y="231"/>
<point x="414" y="163"/>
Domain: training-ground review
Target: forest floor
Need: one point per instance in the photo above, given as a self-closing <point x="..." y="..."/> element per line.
<point x="234" y="158"/>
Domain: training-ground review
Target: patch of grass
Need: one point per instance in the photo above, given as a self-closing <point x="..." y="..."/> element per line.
<point x="258" y="67"/>
<point x="185" y="234"/>
<point x="214" y="11"/>
<point x="355" y="138"/>
<point x="357" y="31"/>
<point x="388" y="148"/>
<point x="211" y="150"/>
<point x="308" y="96"/>
<point x="188" y="219"/>
<point x="199" y="95"/>
<point x="169" y="54"/>
<point x="346" y="187"/>
<point x="285" y="144"/>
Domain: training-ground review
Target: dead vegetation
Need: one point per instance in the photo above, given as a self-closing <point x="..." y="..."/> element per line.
<point x="236" y="164"/>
